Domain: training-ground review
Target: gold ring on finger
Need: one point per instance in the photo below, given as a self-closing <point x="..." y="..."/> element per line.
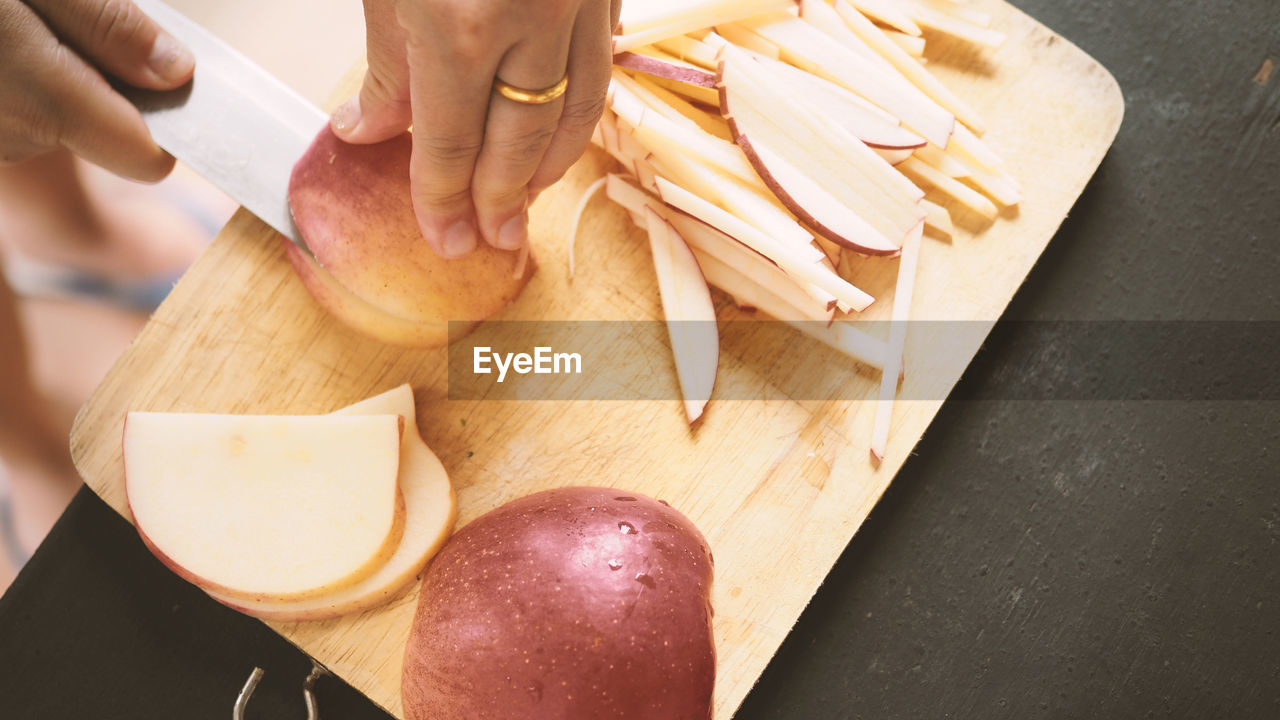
<point x="531" y="97"/>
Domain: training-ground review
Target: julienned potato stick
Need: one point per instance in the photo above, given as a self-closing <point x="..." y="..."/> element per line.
<point x="820" y="172"/>
<point x="808" y="270"/>
<point x="747" y="40"/>
<point x="891" y="13"/>
<point x="649" y="14"/>
<point x="890" y="374"/>
<point x="699" y="94"/>
<point x="722" y="154"/>
<point x="660" y="63"/>
<point x="755" y="269"/>
<point x="910" y="44"/>
<point x="937" y="218"/>
<point x="684" y="161"/>
<point x="809" y="48"/>
<point x="932" y="19"/>
<point x="943" y="161"/>
<point x="704" y="118"/>
<point x="751" y="279"/>
<point x="958" y="191"/>
<point x="909" y="66"/>
<point x="686" y="16"/>
<point x="668" y="104"/>
<point x="689" y="310"/>
<point x="960" y="11"/>
<point x="690" y="50"/>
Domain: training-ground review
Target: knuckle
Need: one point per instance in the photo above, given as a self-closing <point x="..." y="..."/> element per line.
<point x="525" y="146"/>
<point x="117" y="22"/>
<point x="17" y="23"/>
<point x="493" y="194"/>
<point x="62" y="63"/>
<point x="467" y="27"/>
<point x="472" y="37"/>
<point x="383" y="89"/>
<point x="436" y="198"/>
<point x="65" y="75"/>
<point x="566" y="10"/>
<point x="582" y="114"/>
<point x="41" y="122"/>
<point x="28" y="130"/>
<point x="58" y="106"/>
<point x="440" y="174"/>
<point x="41" y="109"/>
<point x="553" y="11"/>
<point x="34" y="99"/>
<point x="448" y="150"/>
<point x="25" y="132"/>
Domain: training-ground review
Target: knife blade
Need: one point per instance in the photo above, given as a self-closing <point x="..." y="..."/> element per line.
<point x="234" y="123"/>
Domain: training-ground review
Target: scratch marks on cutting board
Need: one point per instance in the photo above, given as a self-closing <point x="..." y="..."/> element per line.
<point x="1262" y="109"/>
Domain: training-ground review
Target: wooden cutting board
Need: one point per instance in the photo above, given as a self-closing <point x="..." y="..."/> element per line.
<point x="778" y="485"/>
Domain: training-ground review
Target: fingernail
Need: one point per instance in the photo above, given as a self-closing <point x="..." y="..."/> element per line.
<point x="459" y="239"/>
<point x="170" y="60"/>
<point x="514" y="232"/>
<point x="347" y="116"/>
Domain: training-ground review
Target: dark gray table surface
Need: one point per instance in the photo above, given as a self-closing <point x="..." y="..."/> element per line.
<point x="1103" y="542"/>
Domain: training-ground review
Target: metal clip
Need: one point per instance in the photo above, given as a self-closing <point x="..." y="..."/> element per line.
<point x="308" y="692"/>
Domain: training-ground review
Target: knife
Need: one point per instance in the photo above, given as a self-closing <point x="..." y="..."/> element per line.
<point x="234" y="123"/>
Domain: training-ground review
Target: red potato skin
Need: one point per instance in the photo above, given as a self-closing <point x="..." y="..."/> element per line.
<point x="353" y="206"/>
<point x="655" y="66"/>
<point x="573" y="604"/>
<point x="362" y="316"/>
<point x="743" y="141"/>
<point x="393" y="539"/>
<point x="795" y="206"/>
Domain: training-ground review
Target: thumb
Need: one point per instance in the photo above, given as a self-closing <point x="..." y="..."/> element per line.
<point x="382" y="109"/>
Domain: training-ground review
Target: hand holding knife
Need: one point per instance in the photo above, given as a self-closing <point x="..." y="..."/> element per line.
<point x="504" y="94"/>
<point x="234" y="123"/>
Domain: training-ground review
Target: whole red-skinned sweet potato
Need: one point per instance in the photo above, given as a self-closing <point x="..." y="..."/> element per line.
<point x="575" y="603"/>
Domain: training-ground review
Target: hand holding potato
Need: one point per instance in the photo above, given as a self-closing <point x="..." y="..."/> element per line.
<point x="53" y="95"/>
<point x="479" y="157"/>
